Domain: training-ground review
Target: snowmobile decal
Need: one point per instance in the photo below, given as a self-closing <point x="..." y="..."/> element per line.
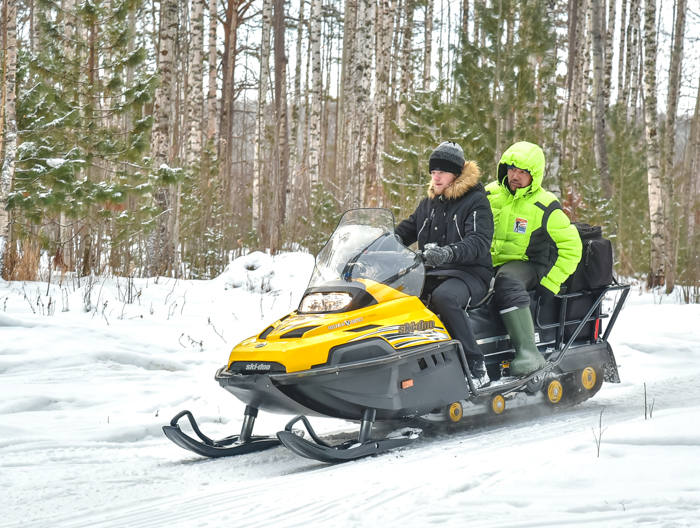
<point x="346" y="323"/>
<point x="416" y="326"/>
<point x="398" y="338"/>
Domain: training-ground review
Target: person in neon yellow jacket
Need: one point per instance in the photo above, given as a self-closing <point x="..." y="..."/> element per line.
<point x="534" y="247"/>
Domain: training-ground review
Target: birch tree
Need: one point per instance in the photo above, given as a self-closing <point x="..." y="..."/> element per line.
<point x="195" y="94"/>
<point x="161" y="140"/>
<point x="631" y="87"/>
<point x="211" y="65"/>
<point x="656" y="216"/>
<point x="621" y="51"/>
<point x="261" y="126"/>
<point x="10" y="132"/>
<point x="282" y="139"/>
<point x="608" y="47"/>
<point x="668" y="172"/>
<point x="383" y="57"/>
<point x="427" y="55"/>
<point x="345" y="93"/>
<point x="316" y="93"/>
<point x="362" y="118"/>
<point x="674" y="88"/>
<point x="406" y="70"/>
<point x="599" y="97"/>
<point x="465" y="17"/>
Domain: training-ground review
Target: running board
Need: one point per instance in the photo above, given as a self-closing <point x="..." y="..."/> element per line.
<point x="229" y="446"/>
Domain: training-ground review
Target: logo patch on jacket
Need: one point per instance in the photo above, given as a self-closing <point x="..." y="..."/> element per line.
<point x="520" y="226"/>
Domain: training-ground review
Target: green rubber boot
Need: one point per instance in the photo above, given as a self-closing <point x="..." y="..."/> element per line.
<point x="522" y="333"/>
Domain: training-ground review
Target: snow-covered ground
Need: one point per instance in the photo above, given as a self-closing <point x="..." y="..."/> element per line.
<point x="84" y="394"/>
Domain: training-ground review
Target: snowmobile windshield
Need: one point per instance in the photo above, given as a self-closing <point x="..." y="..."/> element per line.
<point x="363" y="246"/>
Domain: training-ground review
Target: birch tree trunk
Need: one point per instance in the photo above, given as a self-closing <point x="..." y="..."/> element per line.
<point x="211" y="92"/>
<point x="476" y="39"/>
<point x="344" y="119"/>
<point x="383" y="57"/>
<point x="609" y="37"/>
<point x="632" y="60"/>
<point x="299" y="161"/>
<point x="465" y="18"/>
<point x="588" y="31"/>
<point x="599" y="93"/>
<point x="161" y="141"/>
<point x="674" y="88"/>
<point x="668" y="172"/>
<point x="280" y="192"/>
<point x="261" y="124"/>
<point x="316" y="95"/>
<point x="395" y="59"/>
<point x="656" y="216"/>
<point x="406" y="70"/>
<point x="427" y="57"/>
<point x="572" y="61"/>
<point x="362" y="109"/>
<point x="577" y="95"/>
<point x="195" y="96"/>
<point x="690" y="171"/>
<point x="621" y="54"/>
<point x="7" y="174"/>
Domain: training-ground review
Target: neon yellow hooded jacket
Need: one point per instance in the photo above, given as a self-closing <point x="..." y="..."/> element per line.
<point x="530" y="224"/>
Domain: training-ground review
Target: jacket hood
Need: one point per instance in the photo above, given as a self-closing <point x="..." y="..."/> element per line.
<point x="462" y="184"/>
<point x="526" y="156"/>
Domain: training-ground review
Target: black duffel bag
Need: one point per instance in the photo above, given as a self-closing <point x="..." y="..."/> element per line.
<point x="595" y="270"/>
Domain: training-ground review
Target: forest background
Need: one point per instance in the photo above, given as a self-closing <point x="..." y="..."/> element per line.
<point x="147" y="138"/>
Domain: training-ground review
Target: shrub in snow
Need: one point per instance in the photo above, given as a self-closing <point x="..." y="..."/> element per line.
<point x="253" y="271"/>
<point x="262" y="273"/>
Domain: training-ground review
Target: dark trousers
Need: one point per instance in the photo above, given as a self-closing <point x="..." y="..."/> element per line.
<point x="448" y="298"/>
<point x="513" y="281"/>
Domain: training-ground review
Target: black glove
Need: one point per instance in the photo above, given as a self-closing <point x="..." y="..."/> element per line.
<point x="437" y="256"/>
<point x="545" y="295"/>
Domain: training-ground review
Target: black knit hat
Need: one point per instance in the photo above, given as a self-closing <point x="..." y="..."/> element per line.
<point x="448" y="157"/>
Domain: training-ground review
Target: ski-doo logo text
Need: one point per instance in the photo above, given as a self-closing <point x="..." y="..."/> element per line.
<point x="345" y="323"/>
<point x="257" y="366"/>
<point x="416" y="326"/>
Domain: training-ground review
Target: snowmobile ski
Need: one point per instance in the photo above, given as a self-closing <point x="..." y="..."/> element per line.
<point x="350" y="450"/>
<point x="229" y="446"/>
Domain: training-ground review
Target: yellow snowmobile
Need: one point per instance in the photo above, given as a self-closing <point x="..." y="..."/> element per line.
<point x="362" y="346"/>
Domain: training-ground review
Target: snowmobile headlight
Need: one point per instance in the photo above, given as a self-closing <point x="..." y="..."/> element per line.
<point x="325" y="302"/>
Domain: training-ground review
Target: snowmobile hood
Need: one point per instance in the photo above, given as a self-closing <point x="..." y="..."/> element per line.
<point x="526" y="156"/>
<point x="304" y="341"/>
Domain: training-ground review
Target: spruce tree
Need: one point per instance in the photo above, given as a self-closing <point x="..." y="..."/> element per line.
<point x="75" y="161"/>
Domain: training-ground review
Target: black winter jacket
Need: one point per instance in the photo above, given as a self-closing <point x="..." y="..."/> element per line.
<point x="461" y="218"/>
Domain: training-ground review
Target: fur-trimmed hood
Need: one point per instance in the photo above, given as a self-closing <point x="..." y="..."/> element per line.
<point x="462" y="184"/>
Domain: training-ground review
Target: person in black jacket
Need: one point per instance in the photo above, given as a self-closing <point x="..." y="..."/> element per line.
<point x="454" y="229"/>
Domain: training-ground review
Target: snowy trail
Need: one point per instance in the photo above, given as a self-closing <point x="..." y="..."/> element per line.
<point x="554" y="456"/>
<point x="82" y="404"/>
